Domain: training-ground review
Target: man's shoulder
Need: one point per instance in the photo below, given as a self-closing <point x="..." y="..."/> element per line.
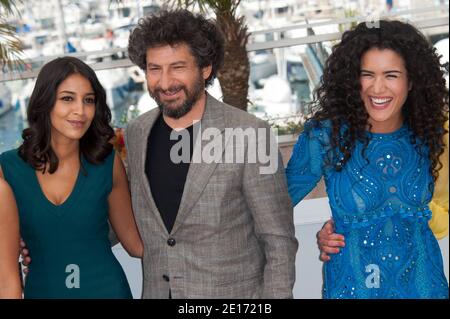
<point x="142" y="120"/>
<point x="235" y="117"/>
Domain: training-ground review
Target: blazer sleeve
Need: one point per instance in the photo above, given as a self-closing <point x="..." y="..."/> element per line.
<point x="265" y="191"/>
<point x="305" y="167"/>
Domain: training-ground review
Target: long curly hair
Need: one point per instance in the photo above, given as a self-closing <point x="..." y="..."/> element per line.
<point x="174" y="27"/>
<point x="36" y="148"/>
<point x="337" y="98"/>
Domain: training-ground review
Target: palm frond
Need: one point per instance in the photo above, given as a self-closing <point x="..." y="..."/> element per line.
<point x="10" y="44"/>
<point x="10" y="48"/>
<point x="9" y="7"/>
<point x="188" y="4"/>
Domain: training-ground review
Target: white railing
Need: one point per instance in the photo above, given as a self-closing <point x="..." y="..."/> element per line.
<point x="400" y="14"/>
<point x="422" y="24"/>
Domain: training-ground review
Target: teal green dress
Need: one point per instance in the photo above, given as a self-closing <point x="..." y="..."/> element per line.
<point x="69" y="246"/>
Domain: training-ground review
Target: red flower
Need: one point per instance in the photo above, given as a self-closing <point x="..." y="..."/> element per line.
<point x="119" y="142"/>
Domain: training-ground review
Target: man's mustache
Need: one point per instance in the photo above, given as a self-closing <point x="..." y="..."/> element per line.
<point x="170" y="90"/>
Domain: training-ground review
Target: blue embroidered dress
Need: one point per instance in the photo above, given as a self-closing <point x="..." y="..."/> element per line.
<point x="380" y="204"/>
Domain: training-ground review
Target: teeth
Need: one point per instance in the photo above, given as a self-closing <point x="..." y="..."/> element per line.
<point x="169" y="92"/>
<point x="380" y="101"/>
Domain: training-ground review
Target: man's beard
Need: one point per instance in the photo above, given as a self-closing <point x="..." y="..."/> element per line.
<point x="192" y="96"/>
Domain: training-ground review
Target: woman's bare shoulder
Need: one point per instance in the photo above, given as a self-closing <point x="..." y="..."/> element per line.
<point x="5" y="189"/>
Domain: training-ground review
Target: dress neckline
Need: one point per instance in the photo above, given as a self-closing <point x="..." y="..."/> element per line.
<point x="400" y="132"/>
<point x="60" y="208"/>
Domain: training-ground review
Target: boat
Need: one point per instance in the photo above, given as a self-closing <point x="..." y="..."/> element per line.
<point x="20" y="101"/>
<point x="5" y="99"/>
<point x="116" y="83"/>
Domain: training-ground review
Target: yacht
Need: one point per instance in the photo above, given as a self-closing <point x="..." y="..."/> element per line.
<point x="5" y="99"/>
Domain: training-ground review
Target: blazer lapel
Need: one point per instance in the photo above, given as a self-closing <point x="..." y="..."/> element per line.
<point x="199" y="172"/>
<point x="145" y="126"/>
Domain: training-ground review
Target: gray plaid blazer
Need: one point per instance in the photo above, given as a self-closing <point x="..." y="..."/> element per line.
<point x="234" y="235"/>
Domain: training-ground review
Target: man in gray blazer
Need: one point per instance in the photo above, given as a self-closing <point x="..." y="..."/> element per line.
<point x="212" y="227"/>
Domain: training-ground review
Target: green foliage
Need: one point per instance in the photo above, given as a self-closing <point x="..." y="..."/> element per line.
<point x="289" y="128"/>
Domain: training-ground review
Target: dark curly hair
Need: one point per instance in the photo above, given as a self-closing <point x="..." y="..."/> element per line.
<point x="36" y="148"/>
<point x="203" y="37"/>
<point x="338" y="99"/>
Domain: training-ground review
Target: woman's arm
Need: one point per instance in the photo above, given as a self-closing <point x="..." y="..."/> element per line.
<point x="121" y="213"/>
<point x="439" y="203"/>
<point x="304" y="168"/>
<point x="10" y="285"/>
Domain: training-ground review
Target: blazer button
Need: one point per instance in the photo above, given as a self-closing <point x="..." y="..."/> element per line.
<point x="166" y="278"/>
<point x="171" y="242"/>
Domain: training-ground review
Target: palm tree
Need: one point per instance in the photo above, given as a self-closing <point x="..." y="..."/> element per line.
<point x="10" y="45"/>
<point x="235" y="72"/>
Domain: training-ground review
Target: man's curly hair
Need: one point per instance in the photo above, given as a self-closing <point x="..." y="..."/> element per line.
<point x="338" y="96"/>
<point x="203" y="37"/>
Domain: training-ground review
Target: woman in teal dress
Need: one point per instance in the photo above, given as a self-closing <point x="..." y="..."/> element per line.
<point x="68" y="182"/>
<point x="375" y="137"/>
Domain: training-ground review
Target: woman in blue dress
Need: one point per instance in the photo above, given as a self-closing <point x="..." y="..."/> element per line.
<point x="375" y="136"/>
<point x="68" y="183"/>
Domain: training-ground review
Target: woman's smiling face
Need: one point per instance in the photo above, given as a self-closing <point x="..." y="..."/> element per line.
<point x="384" y="88"/>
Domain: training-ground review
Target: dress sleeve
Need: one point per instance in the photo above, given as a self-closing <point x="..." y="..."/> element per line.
<point x="305" y="167"/>
<point x="439" y="203"/>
